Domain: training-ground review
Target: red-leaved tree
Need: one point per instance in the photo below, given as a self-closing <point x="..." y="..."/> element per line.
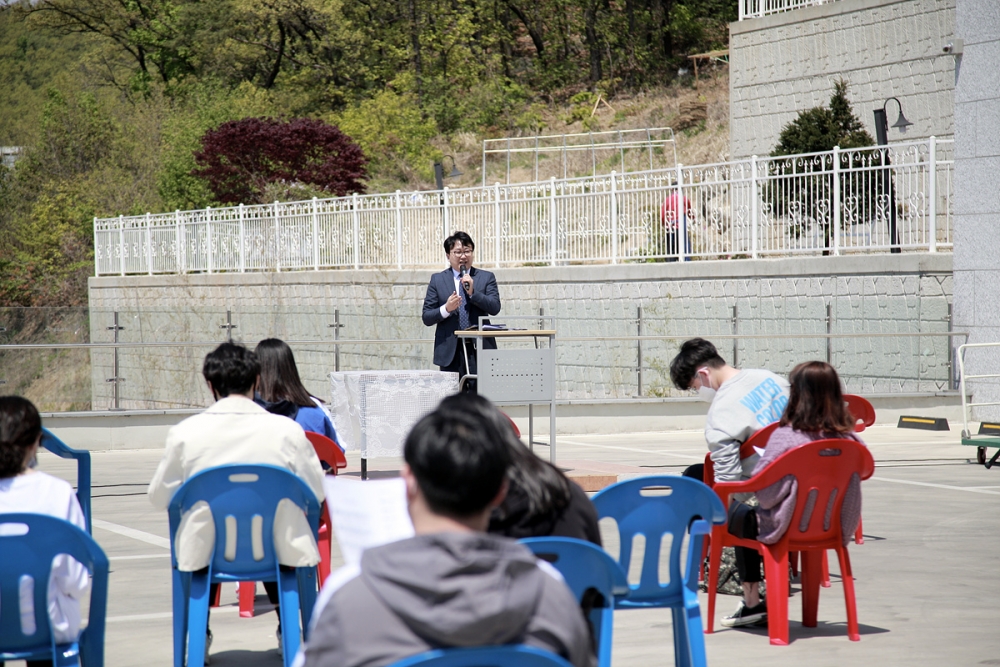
<point x="240" y="158"/>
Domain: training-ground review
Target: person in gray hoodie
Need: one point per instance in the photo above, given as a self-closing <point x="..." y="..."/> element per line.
<point x="451" y="585"/>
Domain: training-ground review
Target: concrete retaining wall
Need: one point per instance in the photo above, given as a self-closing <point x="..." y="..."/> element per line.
<point x="786" y="63"/>
<point x="778" y="300"/>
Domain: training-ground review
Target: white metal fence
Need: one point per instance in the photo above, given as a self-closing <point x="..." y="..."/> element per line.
<point x="752" y="9"/>
<point x="868" y="200"/>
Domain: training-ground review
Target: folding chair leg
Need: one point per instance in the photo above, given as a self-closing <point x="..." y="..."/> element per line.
<point x="776" y="575"/>
<point x="853" y="633"/>
<point x="812" y="566"/>
<point x="248" y="593"/>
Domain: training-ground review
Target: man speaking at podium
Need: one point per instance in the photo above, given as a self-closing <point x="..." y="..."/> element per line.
<point x="455" y="299"/>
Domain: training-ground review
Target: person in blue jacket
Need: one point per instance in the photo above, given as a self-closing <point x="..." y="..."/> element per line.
<point x="280" y="390"/>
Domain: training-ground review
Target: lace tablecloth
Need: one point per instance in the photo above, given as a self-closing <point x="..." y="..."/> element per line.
<point x="374" y="410"/>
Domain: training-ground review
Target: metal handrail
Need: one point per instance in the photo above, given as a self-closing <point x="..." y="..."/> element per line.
<point x="966" y="404"/>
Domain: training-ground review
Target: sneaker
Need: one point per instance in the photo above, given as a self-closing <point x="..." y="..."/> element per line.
<point x="745" y="615"/>
<point x="208" y="644"/>
<point x="281" y="648"/>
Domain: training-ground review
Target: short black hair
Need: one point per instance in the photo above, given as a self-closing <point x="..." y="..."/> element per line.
<point x="694" y="354"/>
<point x="459" y="455"/>
<point x="462" y="237"/>
<point x="20" y="426"/>
<point x="231" y="369"/>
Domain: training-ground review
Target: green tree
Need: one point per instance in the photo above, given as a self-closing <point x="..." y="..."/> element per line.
<point x="800" y="188"/>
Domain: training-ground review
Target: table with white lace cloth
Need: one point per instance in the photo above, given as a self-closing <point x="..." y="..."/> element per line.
<point x="373" y="411"/>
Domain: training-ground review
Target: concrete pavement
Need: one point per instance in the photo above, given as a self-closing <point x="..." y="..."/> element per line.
<point x="925" y="578"/>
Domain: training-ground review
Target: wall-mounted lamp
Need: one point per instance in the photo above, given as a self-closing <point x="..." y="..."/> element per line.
<point x="439" y="172"/>
<point x="881" y="124"/>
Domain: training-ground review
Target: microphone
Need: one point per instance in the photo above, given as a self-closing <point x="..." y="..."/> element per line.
<point x="462" y="273"/>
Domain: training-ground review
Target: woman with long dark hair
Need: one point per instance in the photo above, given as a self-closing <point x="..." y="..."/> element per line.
<point x="23" y="489"/>
<point x="541" y="501"/>
<point x="281" y="391"/>
<point x="816" y="410"/>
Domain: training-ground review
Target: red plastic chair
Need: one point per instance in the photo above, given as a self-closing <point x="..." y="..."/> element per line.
<point x="862" y="411"/>
<point x="823" y="467"/>
<point x="328" y="452"/>
<point x="757" y="439"/>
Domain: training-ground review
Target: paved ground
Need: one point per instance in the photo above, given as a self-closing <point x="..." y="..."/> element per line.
<point x="927" y="576"/>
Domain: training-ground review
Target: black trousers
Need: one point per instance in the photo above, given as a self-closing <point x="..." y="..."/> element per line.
<point x="748" y="561"/>
<point x="457" y="364"/>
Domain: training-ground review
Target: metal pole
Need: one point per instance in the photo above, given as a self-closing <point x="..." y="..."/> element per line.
<point x="399" y="230"/>
<point x="228" y="326"/>
<point x="243" y="239"/>
<point x="447" y="216"/>
<point x="507" y="181"/>
<point x="496" y="230"/>
<point x="208" y="232"/>
<point x="638" y="346"/>
<point x="829" y="332"/>
<point x="735" y="340"/>
<point x="121" y="243"/>
<point x="277" y="239"/>
<point x="614" y="220"/>
<point x="336" y="326"/>
<point x="484" y="163"/>
<point x="97" y="249"/>
<point x="680" y="215"/>
<point x="754" y="207"/>
<point x="181" y="241"/>
<point x="149" y="246"/>
<point x="536" y="158"/>
<point x="115" y="368"/>
<point x="952" y="380"/>
<point x="836" y="202"/>
<point x="315" y="221"/>
<point x="552" y="216"/>
<point x="355" y="230"/>
<point x="932" y="193"/>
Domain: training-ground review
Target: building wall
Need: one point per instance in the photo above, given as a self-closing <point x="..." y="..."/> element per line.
<point x="977" y="195"/>
<point x="786" y="63"/>
<point x="778" y="304"/>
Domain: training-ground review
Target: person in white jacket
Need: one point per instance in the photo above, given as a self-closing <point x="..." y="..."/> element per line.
<point x="235" y="430"/>
<point x="23" y="489"/>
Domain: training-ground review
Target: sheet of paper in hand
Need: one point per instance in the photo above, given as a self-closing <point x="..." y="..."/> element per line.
<point x="366" y="514"/>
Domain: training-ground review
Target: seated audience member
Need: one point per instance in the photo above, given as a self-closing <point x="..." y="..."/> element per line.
<point x="541" y="501"/>
<point x="24" y="489"/>
<point x="281" y="390"/>
<point x="742" y="401"/>
<point x="816" y="410"/>
<point x="235" y="430"/>
<point x="451" y="585"/>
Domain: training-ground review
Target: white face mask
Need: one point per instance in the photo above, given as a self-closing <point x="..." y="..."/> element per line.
<point x="706" y="394"/>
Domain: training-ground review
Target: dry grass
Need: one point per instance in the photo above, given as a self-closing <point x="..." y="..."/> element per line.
<point x="706" y="142"/>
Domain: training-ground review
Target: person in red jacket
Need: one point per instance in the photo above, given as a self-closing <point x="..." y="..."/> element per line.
<point x="675" y="215"/>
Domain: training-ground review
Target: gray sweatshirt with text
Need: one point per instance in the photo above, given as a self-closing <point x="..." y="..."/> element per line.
<point x="746" y="402"/>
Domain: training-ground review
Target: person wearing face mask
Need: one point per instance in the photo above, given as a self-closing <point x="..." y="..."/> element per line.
<point x="742" y="401"/>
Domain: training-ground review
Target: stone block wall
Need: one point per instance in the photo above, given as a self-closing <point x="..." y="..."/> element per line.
<point x="779" y="304"/>
<point x="786" y="63"/>
<point x="977" y="195"/>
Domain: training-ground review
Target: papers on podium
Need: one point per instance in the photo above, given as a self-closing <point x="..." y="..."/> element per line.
<point x="366" y="514"/>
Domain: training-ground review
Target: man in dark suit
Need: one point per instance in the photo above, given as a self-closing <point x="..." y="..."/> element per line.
<point x="455" y="299"/>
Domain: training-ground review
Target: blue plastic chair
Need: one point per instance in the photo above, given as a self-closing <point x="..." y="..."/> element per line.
<point x="586" y="566"/>
<point x="60" y="449"/>
<point x="485" y="656"/>
<point x="31" y="553"/>
<point x="244" y="493"/>
<point x="642" y="506"/>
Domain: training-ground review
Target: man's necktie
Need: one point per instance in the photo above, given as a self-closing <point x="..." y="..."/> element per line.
<point x="463" y="311"/>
